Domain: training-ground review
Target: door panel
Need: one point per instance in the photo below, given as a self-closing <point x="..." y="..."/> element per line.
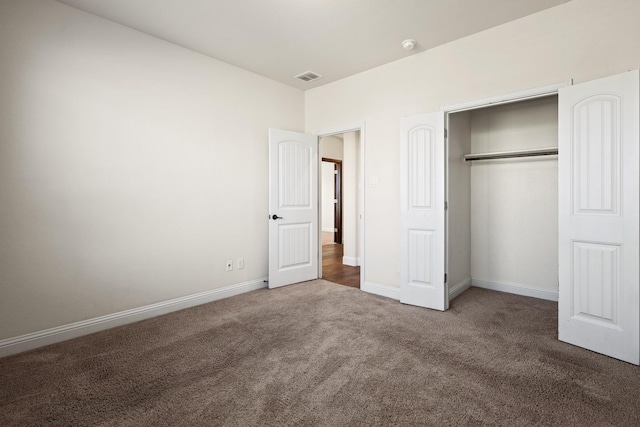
<point x="293" y="207"/>
<point x="422" y="211"/>
<point x="598" y="173"/>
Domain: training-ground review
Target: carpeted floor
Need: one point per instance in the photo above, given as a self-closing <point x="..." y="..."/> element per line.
<point x="322" y="354"/>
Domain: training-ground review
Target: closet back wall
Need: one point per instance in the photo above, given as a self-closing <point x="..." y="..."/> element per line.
<point x="514" y="202"/>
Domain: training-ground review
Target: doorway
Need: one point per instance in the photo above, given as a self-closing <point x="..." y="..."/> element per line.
<point x="331" y="215"/>
<point x="562" y="222"/>
<point x="340" y="208"/>
<point x="502" y="194"/>
<point x="436" y="212"/>
<point x="295" y="205"/>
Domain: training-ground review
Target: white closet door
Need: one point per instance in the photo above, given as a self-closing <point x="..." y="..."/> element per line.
<point x="422" y="254"/>
<point x="598" y="216"/>
<point x="293" y="207"/>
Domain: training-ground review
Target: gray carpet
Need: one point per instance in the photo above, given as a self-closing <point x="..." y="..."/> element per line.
<point x="323" y="354"/>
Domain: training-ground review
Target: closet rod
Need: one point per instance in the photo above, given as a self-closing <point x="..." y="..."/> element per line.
<point x="551" y="151"/>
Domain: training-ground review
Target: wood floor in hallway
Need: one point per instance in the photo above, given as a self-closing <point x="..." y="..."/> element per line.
<point x="334" y="270"/>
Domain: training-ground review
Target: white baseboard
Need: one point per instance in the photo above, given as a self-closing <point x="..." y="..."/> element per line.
<point x="382" y="290"/>
<point x="459" y="288"/>
<point x="73" y="330"/>
<point x="515" y="289"/>
<point x="353" y="262"/>
<point x="327" y="230"/>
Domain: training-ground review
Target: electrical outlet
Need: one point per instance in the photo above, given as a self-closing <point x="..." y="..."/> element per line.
<point x="240" y="263"/>
<point x="229" y="265"/>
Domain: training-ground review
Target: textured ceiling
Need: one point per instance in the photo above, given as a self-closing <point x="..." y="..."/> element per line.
<point x="335" y="38"/>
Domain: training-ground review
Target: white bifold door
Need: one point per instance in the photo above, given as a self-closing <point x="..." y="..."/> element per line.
<point x="422" y="197"/>
<point x="598" y="166"/>
<point x="293" y="207"/>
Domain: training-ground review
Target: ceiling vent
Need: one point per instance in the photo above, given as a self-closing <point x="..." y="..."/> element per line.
<point x="308" y="76"/>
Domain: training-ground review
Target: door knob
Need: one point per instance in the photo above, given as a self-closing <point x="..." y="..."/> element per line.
<point x="276" y="217"/>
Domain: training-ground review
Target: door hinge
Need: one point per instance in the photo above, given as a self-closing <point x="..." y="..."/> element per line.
<point x="445" y="278"/>
<point x="446" y="133"/>
<point x="446" y="205"/>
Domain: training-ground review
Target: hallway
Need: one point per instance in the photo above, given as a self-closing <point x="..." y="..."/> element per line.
<point x="333" y="269"/>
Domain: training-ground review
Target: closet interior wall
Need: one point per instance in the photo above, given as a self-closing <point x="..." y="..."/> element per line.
<point x="502" y="221"/>
<point x="459" y="201"/>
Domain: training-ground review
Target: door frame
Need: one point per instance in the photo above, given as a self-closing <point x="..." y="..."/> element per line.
<point x="455" y="289"/>
<point x="337" y="210"/>
<point x="361" y="192"/>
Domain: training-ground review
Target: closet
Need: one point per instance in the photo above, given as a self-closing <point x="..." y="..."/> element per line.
<point x="493" y="204"/>
<point x="502" y="193"/>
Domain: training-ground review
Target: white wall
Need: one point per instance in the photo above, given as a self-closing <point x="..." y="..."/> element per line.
<point x="459" y="199"/>
<point x="328" y="195"/>
<point x="331" y="147"/>
<point x="514" y="203"/>
<point x="580" y="40"/>
<point x="130" y="168"/>
<point x="350" y="196"/>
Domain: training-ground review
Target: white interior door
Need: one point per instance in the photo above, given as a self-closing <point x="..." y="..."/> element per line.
<point x="293" y="207"/>
<point x="598" y="216"/>
<point x="422" y="234"/>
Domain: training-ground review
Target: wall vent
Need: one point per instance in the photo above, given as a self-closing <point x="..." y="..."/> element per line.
<point x="308" y="76"/>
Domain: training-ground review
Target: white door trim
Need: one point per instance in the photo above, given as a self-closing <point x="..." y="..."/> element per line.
<point x="536" y="92"/>
<point x="361" y="192"/>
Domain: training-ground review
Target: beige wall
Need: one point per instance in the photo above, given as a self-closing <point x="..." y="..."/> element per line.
<point x="327" y="217"/>
<point x="350" y="196"/>
<point x="580" y="40"/>
<point x="130" y="168"/>
<point x="459" y="199"/>
<point x="331" y="147"/>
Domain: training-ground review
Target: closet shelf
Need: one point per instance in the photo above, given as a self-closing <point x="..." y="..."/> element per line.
<point x="551" y="151"/>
